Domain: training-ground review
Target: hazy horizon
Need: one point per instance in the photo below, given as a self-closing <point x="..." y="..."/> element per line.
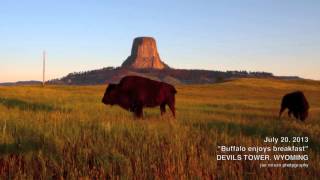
<point x="272" y="36"/>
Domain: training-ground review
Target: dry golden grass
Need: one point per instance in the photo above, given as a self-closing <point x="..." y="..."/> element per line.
<point x="66" y="132"/>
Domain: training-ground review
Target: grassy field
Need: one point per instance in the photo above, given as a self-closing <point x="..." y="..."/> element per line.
<point x="66" y="132"/>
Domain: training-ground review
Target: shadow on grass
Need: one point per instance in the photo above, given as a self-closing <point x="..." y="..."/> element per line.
<point x="20" y="147"/>
<point x="274" y="130"/>
<point x="27" y="141"/>
<point x="24" y="105"/>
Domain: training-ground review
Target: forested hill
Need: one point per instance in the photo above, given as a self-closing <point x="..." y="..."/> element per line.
<point x="173" y="76"/>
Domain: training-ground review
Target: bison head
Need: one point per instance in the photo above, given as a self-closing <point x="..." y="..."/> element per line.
<point x="110" y="95"/>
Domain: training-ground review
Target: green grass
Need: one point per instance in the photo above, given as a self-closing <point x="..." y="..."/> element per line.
<point x="66" y="132"/>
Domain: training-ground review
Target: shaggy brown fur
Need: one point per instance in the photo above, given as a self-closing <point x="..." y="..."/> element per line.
<point x="134" y="92"/>
<point x="297" y="105"/>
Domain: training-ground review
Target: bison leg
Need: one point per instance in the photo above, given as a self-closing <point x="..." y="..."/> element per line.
<point x="138" y="111"/>
<point x="132" y="108"/>
<point x="296" y="114"/>
<point x="163" y="108"/>
<point x="173" y="110"/>
<point x="171" y="103"/>
<point x="302" y="116"/>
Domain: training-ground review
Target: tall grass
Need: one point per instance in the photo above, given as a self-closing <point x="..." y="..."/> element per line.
<point x="65" y="132"/>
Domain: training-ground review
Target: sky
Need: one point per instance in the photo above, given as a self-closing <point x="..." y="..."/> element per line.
<point x="278" y="36"/>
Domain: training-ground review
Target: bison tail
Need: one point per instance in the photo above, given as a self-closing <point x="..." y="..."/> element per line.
<point x="174" y="91"/>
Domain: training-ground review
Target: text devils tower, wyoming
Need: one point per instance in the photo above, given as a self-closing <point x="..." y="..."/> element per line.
<point x="144" y="54"/>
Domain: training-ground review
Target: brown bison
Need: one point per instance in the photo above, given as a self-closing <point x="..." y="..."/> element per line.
<point x="296" y="103"/>
<point x="134" y="92"/>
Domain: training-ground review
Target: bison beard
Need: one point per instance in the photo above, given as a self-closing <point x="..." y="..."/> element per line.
<point x="134" y="92"/>
<point x="297" y="105"/>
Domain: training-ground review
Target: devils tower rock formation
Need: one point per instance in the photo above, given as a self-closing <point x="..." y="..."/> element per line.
<point x="144" y="54"/>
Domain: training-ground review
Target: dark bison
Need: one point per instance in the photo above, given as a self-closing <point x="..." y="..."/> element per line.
<point x="296" y="103"/>
<point x="134" y="92"/>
